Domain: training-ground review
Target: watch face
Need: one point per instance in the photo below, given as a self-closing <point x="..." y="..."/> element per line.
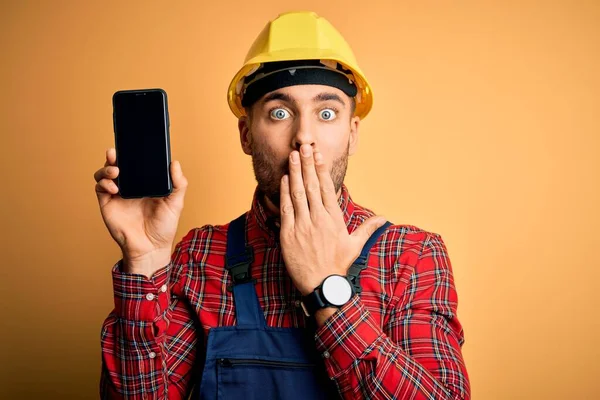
<point x="337" y="290"/>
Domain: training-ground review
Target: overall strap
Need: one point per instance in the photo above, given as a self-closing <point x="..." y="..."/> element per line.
<point x="239" y="258"/>
<point x="361" y="262"/>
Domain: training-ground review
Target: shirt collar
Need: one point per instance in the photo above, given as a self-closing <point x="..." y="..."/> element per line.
<point x="267" y="222"/>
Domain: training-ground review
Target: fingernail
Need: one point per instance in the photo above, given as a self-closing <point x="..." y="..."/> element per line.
<point x="318" y="157"/>
<point x="295" y="157"/>
<point x="285" y="179"/>
<point x="305" y="149"/>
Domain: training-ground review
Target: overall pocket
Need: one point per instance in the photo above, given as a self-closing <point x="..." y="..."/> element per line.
<point x="267" y="379"/>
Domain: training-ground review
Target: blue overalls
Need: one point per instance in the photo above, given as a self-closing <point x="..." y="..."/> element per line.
<point x="254" y="361"/>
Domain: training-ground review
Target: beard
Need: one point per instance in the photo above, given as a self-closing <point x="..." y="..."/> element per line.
<point x="268" y="173"/>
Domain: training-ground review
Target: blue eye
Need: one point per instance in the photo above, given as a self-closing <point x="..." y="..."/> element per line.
<point x="328" y="114"/>
<point x="279" y="113"/>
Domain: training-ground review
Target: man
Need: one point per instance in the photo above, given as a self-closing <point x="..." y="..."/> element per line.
<point x="308" y="295"/>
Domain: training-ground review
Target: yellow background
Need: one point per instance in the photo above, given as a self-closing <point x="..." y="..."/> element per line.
<point x="485" y="129"/>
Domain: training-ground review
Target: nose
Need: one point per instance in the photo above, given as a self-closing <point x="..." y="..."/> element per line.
<point x="304" y="133"/>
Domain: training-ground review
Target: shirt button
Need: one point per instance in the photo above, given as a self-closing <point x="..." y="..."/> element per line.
<point x="326" y="354"/>
<point x="152" y="354"/>
<point x="150" y="296"/>
<point x="297" y="303"/>
<point x="163" y="288"/>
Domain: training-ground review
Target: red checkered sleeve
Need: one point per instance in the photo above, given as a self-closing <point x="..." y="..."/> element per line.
<point x="133" y="336"/>
<point x="416" y="352"/>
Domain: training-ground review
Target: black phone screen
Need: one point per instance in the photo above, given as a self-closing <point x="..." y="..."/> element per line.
<point x="141" y="125"/>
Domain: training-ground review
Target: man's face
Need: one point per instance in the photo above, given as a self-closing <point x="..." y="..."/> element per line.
<point x="284" y="119"/>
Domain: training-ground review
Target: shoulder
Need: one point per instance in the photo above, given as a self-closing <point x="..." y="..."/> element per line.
<point x="399" y="237"/>
<point x="404" y="244"/>
<point x="202" y="237"/>
<point x="201" y="250"/>
<point x="412" y="238"/>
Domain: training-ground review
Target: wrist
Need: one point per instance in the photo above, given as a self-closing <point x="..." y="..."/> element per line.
<point x="323" y="315"/>
<point x="334" y="291"/>
<point x="146" y="264"/>
<point x="309" y="287"/>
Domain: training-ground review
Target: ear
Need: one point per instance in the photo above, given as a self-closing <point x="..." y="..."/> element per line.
<point x="245" y="135"/>
<point x="353" y="142"/>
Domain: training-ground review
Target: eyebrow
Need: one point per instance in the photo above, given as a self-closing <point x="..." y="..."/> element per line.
<point x="329" y="96"/>
<point x="279" y="96"/>
<point x="289" y="99"/>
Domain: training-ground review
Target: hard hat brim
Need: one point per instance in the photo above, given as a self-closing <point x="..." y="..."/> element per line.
<point x="364" y="98"/>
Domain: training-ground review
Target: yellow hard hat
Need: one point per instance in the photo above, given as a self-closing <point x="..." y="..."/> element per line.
<point x="300" y="36"/>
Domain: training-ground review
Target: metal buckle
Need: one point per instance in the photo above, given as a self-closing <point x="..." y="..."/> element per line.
<point x="240" y="271"/>
<point x="304" y="309"/>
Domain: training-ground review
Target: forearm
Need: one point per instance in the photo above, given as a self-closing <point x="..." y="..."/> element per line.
<point x="367" y="363"/>
<point x="133" y="352"/>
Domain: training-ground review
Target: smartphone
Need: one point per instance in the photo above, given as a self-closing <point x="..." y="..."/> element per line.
<point x="142" y="141"/>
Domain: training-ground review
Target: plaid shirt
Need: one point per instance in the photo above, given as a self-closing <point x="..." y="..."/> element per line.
<point x="399" y="339"/>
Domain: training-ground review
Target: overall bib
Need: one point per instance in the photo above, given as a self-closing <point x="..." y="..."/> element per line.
<point x="254" y="361"/>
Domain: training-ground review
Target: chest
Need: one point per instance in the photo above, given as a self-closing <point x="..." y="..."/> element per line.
<point x="207" y="292"/>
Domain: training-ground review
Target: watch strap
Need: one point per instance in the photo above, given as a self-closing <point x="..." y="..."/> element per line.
<point x="313" y="302"/>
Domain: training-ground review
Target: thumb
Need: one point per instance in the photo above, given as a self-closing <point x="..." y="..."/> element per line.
<point x="367" y="228"/>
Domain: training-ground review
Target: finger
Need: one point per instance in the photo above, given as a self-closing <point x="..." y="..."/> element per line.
<point x="328" y="194"/>
<point x="111" y="157"/>
<point x="180" y="182"/>
<point x="311" y="181"/>
<point x="109" y="172"/>
<point x="286" y="207"/>
<point x="105" y="189"/>
<point x="367" y="228"/>
<point x="108" y="186"/>
<point x="297" y="190"/>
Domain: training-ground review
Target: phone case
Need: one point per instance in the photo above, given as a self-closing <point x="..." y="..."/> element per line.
<point x="168" y="137"/>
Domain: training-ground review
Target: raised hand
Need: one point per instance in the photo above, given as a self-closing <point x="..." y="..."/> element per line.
<point x="143" y="228"/>
<point x="314" y="238"/>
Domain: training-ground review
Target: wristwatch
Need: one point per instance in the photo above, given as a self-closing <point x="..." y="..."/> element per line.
<point x="334" y="291"/>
